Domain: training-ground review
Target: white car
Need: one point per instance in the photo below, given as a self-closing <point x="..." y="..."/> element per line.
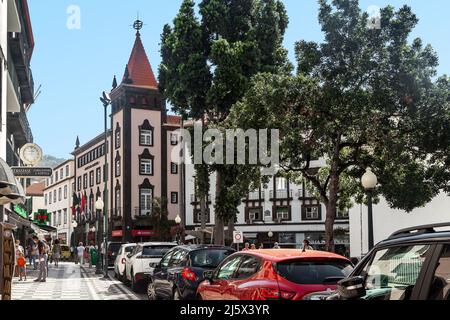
<point x="141" y="261"/>
<point x="119" y="263"/>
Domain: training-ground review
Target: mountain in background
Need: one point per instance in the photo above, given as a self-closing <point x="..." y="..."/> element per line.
<point x="50" y="161"/>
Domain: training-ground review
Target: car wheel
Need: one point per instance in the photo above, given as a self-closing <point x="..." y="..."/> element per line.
<point x="177" y="295"/>
<point x="151" y="291"/>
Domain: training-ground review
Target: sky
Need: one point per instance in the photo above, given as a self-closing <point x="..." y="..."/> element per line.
<point x="75" y="62"/>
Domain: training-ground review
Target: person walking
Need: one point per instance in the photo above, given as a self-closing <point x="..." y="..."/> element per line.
<point x="34" y="254"/>
<point x="80" y="253"/>
<point x="43" y="257"/>
<point x="276" y="246"/>
<point x="19" y="251"/>
<point x="22" y="264"/>
<point x="253" y="247"/>
<point x="246" y="247"/>
<point x="307" y="245"/>
<point x="56" y="252"/>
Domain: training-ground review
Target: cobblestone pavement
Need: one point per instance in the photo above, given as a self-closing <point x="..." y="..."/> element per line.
<point x="71" y="282"/>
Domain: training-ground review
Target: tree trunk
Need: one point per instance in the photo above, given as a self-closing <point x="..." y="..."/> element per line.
<point x="203" y="217"/>
<point x="231" y="229"/>
<point x="332" y="206"/>
<point x="219" y="224"/>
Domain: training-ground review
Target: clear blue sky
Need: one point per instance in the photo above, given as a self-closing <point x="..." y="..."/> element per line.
<point x="75" y="66"/>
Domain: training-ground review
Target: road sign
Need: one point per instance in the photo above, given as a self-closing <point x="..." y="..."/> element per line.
<point x="238" y="237"/>
<point x="30" y="172"/>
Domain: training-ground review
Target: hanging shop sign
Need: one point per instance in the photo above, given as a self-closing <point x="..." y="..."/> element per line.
<point x="42" y="217"/>
<point x="31" y="172"/>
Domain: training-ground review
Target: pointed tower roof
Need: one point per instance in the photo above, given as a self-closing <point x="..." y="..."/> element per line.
<point x="138" y="69"/>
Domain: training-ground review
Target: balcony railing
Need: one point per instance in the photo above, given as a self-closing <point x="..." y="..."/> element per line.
<point x="304" y="193"/>
<point x="256" y="195"/>
<point x="281" y="194"/>
<point x="195" y="199"/>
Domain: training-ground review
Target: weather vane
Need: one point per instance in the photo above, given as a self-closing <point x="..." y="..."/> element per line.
<point x="138" y="24"/>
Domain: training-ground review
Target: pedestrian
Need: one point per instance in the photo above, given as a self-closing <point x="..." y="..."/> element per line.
<point x="246" y="247"/>
<point x="253" y="247"/>
<point x="80" y="253"/>
<point x="34" y="254"/>
<point x="91" y="250"/>
<point x="56" y="252"/>
<point x="306" y="246"/>
<point x="19" y="251"/>
<point x="22" y="264"/>
<point x="261" y="246"/>
<point x="43" y="257"/>
<point x="276" y="246"/>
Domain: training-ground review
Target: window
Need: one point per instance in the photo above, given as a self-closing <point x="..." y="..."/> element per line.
<point x="54" y="196"/>
<point x="99" y="175"/>
<point x="146" y="138"/>
<point x="311" y="212"/>
<point x="91" y="178"/>
<point x="173" y="168"/>
<point x="228" y="269"/>
<point x="255" y="214"/>
<point x="178" y="258"/>
<point x="118" y="167"/>
<point x="146" y="199"/>
<point x="248" y="267"/>
<point x="67" y="171"/>
<point x="59" y="194"/>
<point x="165" y="260"/>
<point x="59" y="218"/>
<point x="61" y="173"/>
<point x="174" y="197"/>
<point x="65" y="192"/>
<point x="56" y="176"/>
<point x="118" y="138"/>
<point x="282" y="213"/>
<point x="85" y="181"/>
<point x="118" y="202"/>
<point x="394" y="272"/>
<point x="45" y="199"/>
<point x="440" y="286"/>
<point x="173" y="139"/>
<point x="79" y="183"/>
<point x="209" y="258"/>
<point x="342" y="215"/>
<point x="146" y="166"/>
<point x="65" y="216"/>
<point x="50" y="198"/>
<point x="281" y="183"/>
<point x="198" y="216"/>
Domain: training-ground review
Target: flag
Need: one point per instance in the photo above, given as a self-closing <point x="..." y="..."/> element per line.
<point x="83" y="203"/>
<point x="75" y="203"/>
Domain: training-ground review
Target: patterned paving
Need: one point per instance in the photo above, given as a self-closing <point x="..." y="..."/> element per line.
<point x="70" y="282"/>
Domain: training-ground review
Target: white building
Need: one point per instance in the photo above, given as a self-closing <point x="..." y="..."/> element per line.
<point x="386" y="221"/>
<point x="58" y="199"/>
<point x="285" y="209"/>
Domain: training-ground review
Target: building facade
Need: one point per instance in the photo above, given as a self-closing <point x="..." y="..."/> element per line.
<point x="58" y="199"/>
<point x="139" y="168"/>
<point x="281" y="209"/>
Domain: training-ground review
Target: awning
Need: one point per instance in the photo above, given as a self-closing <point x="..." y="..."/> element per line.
<point x="18" y="220"/>
<point x="11" y="191"/>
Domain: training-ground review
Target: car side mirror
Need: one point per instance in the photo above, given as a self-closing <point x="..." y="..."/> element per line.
<point x="208" y="275"/>
<point x="352" y="288"/>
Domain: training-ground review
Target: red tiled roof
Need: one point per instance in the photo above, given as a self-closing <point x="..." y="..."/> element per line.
<point x="36" y="189"/>
<point x="174" y="120"/>
<point x="139" y="68"/>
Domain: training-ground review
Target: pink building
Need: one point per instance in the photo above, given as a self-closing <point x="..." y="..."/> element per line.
<point x="140" y="144"/>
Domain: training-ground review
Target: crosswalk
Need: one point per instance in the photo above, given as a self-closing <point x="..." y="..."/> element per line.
<point x="70" y="282"/>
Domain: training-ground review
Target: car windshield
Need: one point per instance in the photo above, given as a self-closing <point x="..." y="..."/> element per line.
<point x="155" y="251"/>
<point x="129" y="249"/>
<point x="314" y="272"/>
<point x="209" y="258"/>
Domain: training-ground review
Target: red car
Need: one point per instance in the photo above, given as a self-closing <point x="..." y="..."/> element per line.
<point x="276" y="274"/>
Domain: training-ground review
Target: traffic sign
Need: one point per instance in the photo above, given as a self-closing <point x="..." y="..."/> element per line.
<point x="30" y="172"/>
<point x="238" y="237"/>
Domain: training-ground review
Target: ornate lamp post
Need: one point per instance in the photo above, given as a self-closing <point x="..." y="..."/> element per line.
<point x="99" y="205"/>
<point x="270" y="234"/>
<point x="369" y="181"/>
<point x="178" y="222"/>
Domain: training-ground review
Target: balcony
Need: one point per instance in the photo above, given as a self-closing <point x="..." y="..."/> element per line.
<point x="256" y="196"/>
<point x="281" y="194"/>
<point x="305" y="194"/>
<point x="195" y="199"/>
<point x="19" y="127"/>
<point x="21" y="55"/>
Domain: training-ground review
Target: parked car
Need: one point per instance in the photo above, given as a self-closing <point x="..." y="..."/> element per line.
<point x="182" y="269"/>
<point x="281" y="274"/>
<point x="412" y="264"/>
<point x="113" y="249"/>
<point x="140" y="262"/>
<point x="120" y="262"/>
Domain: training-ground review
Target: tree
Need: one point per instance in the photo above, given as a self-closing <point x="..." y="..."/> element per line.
<point x="207" y="67"/>
<point x="355" y="102"/>
<point x="159" y="219"/>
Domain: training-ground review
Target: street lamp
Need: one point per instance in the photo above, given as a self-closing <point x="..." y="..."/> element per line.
<point x="369" y="181"/>
<point x="106" y="101"/>
<point x="178" y="222"/>
<point x="270" y="234"/>
<point x="99" y="205"/>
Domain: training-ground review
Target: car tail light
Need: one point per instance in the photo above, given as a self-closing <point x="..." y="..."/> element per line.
<point x="188" y="274"/>
<point x="275" y="294"/>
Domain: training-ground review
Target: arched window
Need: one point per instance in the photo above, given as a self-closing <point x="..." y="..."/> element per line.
<point x="146" y="134"/>
<point x="146" y="161"/>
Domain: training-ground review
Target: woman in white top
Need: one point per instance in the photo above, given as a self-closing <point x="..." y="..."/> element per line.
<point x="80" y="253"/>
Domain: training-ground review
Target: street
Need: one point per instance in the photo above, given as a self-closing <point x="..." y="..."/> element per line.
<point x="70" y="282"/>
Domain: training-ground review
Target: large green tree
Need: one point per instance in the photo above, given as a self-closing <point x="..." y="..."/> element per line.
<point x="364" y="97"/>
<point x="207" y="67"/>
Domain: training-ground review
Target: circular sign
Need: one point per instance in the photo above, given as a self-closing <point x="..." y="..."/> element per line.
<point x="238" y="237"/>
<point x="31" y="154"/>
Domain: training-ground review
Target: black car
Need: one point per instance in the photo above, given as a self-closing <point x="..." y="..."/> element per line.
<point x="412" y="264"/>
<point x="113" y="249"/>
<point x="179" y="273"/>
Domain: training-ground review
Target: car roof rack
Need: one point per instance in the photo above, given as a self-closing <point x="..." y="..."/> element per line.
<point x="419" y="230"/>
